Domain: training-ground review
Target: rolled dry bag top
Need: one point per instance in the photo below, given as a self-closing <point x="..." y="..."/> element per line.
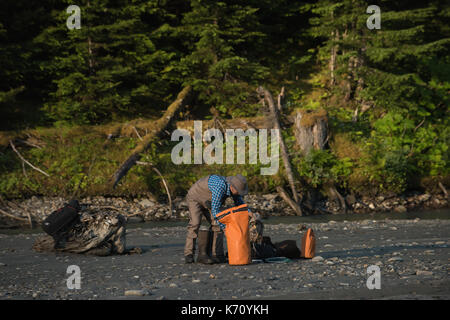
<point x="237" y="233"/>
<point x="308" y="249"/>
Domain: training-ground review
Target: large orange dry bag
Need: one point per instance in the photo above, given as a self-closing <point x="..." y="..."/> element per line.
<point x="237" y="233"/>
<point x="308" y="249"/>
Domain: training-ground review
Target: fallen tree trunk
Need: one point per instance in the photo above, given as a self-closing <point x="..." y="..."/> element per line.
<point x="236" y="123"/>
<point x="160" y="125"/>
<point x="284" y="153"/>
<point x="284" y="195"/>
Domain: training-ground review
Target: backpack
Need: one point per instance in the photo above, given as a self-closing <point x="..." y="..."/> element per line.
<point x="308" y="249"/>
<point x="288" y="249"/>
<point x="263" y="249"/>
<point x="61" y="220"/>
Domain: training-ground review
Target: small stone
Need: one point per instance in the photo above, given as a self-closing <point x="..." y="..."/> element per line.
<point x="146" y="203"/>
<point x="393" y="259"/>
<point x="173" y="285"/>
<point x="317" y="259"/>
<point x="161" y="298"/>
<point x="135" y="293"/>
<point x="211" y="276"/>
<point x="400" y="209"/>
<point x="195" y="281"/>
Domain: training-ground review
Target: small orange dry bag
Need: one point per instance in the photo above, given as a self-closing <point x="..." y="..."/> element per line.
<point x="237" y="233"/>
<point x="308" y="249"/>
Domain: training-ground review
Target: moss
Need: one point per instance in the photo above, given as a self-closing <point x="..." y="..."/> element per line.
<point x="311" y="117"/>
<point x="343" y="146"/>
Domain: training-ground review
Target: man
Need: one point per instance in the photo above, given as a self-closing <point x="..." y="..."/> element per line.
<point x="210" y="192"/>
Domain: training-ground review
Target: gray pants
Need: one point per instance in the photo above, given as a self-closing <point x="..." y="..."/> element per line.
<point x="196" y="212"/>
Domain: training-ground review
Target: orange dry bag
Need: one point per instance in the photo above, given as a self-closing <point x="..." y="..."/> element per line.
<point x="237" y="233"/>
<point x="308" y="244"/>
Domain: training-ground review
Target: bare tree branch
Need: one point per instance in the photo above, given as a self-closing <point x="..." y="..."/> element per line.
<point x="23" y="159"/>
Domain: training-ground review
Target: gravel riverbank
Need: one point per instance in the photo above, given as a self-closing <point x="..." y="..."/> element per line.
<point x="413" y="257"/>
<point x="37" y="208"/>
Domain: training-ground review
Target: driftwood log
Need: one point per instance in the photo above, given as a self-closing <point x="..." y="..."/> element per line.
<point x="311" y="129"/>
<point x="98" y="233"/>
<point x="160" y="125"/>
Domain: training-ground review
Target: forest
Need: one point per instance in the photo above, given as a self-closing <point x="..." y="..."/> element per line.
<point x="82" y="107"/>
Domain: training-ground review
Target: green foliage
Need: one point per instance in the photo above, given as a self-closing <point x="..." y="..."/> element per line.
<point x="130" y="59"/>
<point x="321" y="166"/>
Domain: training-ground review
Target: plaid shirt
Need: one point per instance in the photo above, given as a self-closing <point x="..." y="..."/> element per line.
<point x="220" y="190"/>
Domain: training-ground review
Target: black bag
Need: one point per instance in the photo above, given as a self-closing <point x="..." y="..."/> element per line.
<point x="264" y="249"/>
<point x="288" y="249"/>
<point x="61" y="220"/>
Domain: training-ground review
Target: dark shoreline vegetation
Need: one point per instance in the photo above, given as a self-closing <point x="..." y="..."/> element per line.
<point x="77" y="103"/>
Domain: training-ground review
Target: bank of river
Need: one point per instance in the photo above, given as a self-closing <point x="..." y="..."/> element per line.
<point x="442" y="214"/>
<point x="412" y="253"/>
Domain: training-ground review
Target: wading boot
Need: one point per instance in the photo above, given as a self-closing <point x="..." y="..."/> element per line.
<point x="189" y="259"/>
<point x="203" y="244"/>
<point x="217" y="254"/>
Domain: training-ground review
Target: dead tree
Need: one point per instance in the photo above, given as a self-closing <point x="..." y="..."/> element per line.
<point x="311" y="130"/>
<point x="284" y="154"/>
<point x="160" y="125"/>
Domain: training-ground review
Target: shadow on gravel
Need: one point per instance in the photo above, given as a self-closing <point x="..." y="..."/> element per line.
<point x="365" y="252"/>
<point x="146" y="248"/>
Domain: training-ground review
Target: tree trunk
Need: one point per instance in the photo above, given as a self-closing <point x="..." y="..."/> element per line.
<point x="160" y="125"/>
<point x="334" y="49"/>
<point x="311" y="130"/>
<point x="284" y="153"/>
<point x="284" y="195"/>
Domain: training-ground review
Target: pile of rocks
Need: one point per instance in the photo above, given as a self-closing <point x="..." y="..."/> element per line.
<point x="402" y="203"/>
<point x="269" y="204"/>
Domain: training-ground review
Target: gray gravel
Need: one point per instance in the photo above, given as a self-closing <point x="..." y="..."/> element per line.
<point x="413" y="256"/>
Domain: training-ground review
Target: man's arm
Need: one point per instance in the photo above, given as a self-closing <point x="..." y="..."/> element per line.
<point x="238" y="201"/>
<point x="218" y="189"/>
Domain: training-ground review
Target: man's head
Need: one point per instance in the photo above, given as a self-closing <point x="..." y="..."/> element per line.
<point x="238" y="185"/>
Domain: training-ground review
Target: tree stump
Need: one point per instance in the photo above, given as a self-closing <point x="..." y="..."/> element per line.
<point x="311" y="129"/>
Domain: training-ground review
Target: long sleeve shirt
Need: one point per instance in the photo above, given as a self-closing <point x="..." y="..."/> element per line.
<point x="220" y="190"/>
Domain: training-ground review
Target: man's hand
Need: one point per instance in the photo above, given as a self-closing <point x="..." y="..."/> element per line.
<point x="254" y="216"/>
